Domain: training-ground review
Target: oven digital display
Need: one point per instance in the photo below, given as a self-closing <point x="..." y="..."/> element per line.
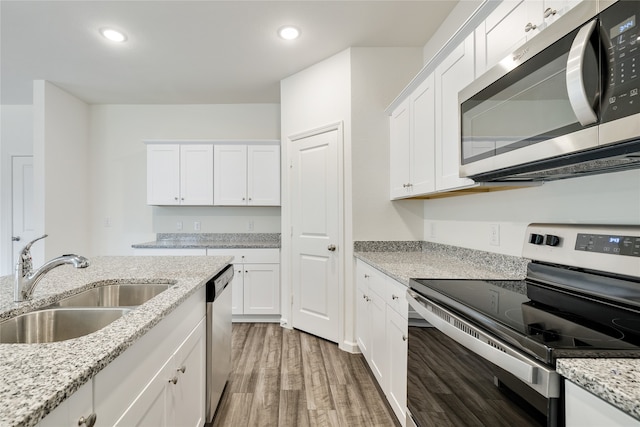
<point x="625" y="25"/>
<point x="608" y="244"/>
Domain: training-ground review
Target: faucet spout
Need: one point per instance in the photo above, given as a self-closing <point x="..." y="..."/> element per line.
<point x="26" y="278"/>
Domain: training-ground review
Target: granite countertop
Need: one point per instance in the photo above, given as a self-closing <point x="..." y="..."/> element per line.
<point x="38" y="377"/>
<point x="616" y="381"/>
<point x="212" y="241"/>
<point x="436" y="261"/>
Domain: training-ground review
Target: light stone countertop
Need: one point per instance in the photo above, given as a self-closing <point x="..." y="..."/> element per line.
<point x="212" y="241"/>
<point x="35" y="378"/>
<point x="616" y="381"/>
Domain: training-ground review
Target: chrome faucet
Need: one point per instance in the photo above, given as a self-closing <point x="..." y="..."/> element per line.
<point x="26" y="279"/>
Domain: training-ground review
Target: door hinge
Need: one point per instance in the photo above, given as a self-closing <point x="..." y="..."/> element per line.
<point x="291" y="231"/>
<point x="291" y="300"/>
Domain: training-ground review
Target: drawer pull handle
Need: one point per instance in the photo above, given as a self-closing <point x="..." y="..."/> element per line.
<point x="530" y="27"/>
<point x="174" y="380"/>
<point x="90" y="421"/>
<point x="394" y="296"/>
<point x="182" y="369"/>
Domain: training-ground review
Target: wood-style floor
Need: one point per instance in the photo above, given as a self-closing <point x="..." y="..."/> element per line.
<point x="284" y="377"/>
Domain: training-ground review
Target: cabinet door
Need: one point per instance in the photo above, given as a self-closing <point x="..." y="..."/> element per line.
<point x="378" y="348"/>
<point x="400" y="151"/>
<point x="452" y="75"/>
<point x="230" y="175"/>
<point x="502" y="32"/>
<point x="583" y="409"/>
<point x="237" y="289"/>
<point x="149" y="409"/>
<point x="261" y="289"/>
<point x="68" y="413"/>
<point x="551" y="10"/>
<point x="163" y="174"/>
<point x="397" y="332"/>
<point x="196" y="174"/>
<point x="423" y="121"/>
<point x="263" y="180"/>
<point x="187" y="396"/>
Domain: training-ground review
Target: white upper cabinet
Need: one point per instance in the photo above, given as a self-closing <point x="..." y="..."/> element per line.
<point x="179" y="174"/>
<point x="454" y="73"/>
<point x="246" y="175"/>
<point x="413" y="143"/>
<point x="513" y="23"/>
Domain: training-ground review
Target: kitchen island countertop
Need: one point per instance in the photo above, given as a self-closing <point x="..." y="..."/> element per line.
<point x="36" y="378"/>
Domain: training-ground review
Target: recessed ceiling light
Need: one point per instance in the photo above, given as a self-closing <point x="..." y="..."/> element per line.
<point x="289" y="32"/>
<point x="113" y="35"/>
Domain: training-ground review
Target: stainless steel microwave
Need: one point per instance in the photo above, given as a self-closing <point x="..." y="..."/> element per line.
<point x="565" y="104"/>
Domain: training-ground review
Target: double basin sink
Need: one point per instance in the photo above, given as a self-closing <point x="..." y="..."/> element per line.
<point x="78" y="314"/>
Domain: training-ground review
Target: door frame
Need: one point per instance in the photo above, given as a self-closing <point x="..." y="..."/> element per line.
<point x="345" y="249"/>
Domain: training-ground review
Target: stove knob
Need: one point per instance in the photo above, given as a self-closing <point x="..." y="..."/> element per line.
<point x="551" y="240"/>
<point x="536" y="239"/>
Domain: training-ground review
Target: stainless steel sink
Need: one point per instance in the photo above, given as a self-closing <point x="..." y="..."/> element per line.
<point x="57" y="324"/>
<point x="120" y="295"/>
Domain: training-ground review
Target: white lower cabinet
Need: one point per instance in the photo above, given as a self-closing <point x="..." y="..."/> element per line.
<point x="74" y="410"/>
<point x="381" y="332"/>
<point x="256" y="283"/>
<point x="138" y="389"/>
<point x="583" y="409"/>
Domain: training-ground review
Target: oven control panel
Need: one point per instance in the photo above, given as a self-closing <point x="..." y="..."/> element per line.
<point x="608" y="248"/>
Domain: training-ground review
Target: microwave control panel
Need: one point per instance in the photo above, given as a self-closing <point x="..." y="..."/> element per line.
<point x="619" y="27"/>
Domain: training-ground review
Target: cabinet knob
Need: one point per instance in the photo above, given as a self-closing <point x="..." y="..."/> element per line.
<point x="182" y="369"/>
<point x="249" y="198"/>
<point x="175" y="198"/>
<point x="89" y="421"/>
<point x="404" y="337"/>
<point x="331" y="248"/>
<point x="366" y="276"/>
<point x="174" y="380"/>
<point x="243" y="198"/>
<point x="549" y="12"/>
<point x="530" y="27"/>
<point x="394" y="296"/>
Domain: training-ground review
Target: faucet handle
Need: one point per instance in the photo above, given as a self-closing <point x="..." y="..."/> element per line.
<point x="28" y="246"/>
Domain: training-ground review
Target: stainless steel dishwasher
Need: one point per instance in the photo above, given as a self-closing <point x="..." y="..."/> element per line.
<point x="218" y="337"/>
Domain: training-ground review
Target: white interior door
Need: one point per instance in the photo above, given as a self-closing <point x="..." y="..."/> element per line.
<point x="315" y="213"/>
<point x="23" y="221"/>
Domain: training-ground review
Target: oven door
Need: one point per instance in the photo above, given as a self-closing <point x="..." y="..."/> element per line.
<point x="459" y="375"/>
<point x="539" y="103"/>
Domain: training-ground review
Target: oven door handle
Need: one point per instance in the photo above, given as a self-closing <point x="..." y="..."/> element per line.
<point x="509" y="362"/>
<point x="575" y="76"/>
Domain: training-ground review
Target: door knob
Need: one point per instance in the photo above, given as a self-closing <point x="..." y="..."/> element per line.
<point x="15" y="238"/>
<point x="332" y="248"/>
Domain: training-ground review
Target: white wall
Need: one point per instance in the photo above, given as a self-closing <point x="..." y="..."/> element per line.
<point x="465" y="221"/>
<point x="16" y="139"/>
<point x="120" y="216"/>
<point x="61" y="154"/>
<point x="377" y="76"/>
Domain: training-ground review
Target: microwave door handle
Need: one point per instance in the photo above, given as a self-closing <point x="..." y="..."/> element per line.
<point x="575" y="76"/>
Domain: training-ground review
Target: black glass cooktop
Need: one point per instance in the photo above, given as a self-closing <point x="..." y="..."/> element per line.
<point x="541" y="320"/>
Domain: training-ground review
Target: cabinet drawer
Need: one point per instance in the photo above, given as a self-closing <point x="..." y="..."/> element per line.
<point x="254" y="256"/>
<point x="396" y="297"/>
<point x="371" y="278"/>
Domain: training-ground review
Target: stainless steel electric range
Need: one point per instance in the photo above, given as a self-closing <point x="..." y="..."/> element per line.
<point x="485" y="350"/>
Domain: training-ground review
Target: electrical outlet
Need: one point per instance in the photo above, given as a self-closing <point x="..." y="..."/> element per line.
<point x="196" y="225"/>
<point x="494" y="234"/>
<point x="179" y="225"/>
<point x="250" y="226"/>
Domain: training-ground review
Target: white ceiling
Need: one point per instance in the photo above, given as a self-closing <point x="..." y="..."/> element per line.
<point x="191" y="52"/>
